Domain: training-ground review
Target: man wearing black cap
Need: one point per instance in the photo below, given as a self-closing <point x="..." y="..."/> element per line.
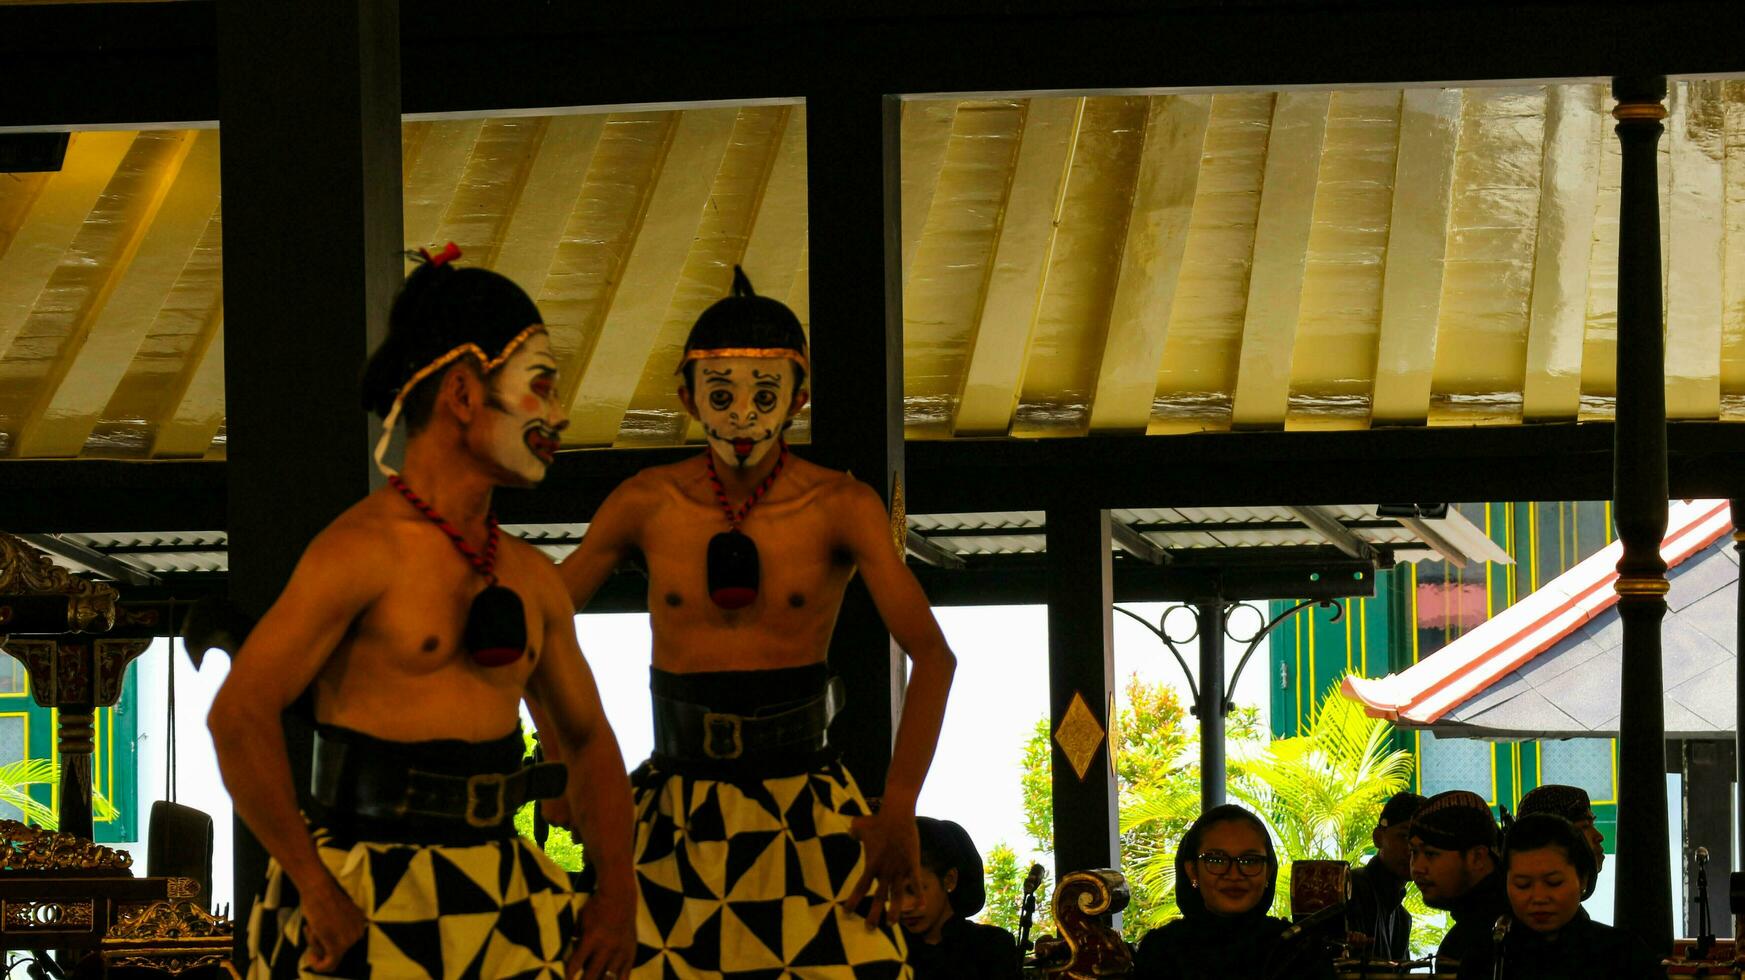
<point x="754" y="846"/>
<point x="1379" y="887"/>
<point x="420" y="630"/>
<point x="1454" y="844"/>
<point x="1572" y="804"/>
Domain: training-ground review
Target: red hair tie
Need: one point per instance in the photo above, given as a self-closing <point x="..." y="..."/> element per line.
<point x="449" y="253"/>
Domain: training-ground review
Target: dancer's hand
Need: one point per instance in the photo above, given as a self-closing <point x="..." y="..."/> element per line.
<point x="608" y="928"/>
<point x="893" y="859"/>
<point x="332" y="924"/>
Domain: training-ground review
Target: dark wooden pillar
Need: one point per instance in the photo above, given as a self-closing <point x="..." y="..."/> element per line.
<point x="857" y="379"/>
<point x="310" y="123"/>
<point x="1210" y="616"/>
<point x="1708" y="823"/>
<point x="1640" y="513"/>
<point x="1081" y="686"/>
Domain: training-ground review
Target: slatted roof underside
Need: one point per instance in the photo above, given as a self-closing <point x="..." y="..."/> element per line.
<point x="1180" y="530"/>
<point x="1304" y="259"/>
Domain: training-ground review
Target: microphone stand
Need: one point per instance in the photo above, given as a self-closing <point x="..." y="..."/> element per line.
<point x="1027" y="910"/>
<point x="1499" y="933"/>
<point x="1706" y="937"/>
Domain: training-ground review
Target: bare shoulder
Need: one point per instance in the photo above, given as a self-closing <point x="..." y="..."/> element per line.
<point x="366" y="535"/>
<point x="843" y="492"/>
<point x="650" y="486"/>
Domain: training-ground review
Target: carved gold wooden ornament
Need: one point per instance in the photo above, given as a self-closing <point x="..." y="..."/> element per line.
<point x="1079" y="735"/>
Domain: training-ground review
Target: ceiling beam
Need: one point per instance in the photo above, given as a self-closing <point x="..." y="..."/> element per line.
<point x="917" y="545"/>
<point x="84" y="62"/>
<point x="1542" y="462"/>
<point x="1335" y="531"/>
<point x="1138" y="545"/>
<point x="1443" y="547"/>
<point x="91" y="559"/>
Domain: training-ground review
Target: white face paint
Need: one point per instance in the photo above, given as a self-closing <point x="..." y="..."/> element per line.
<point x="743" y="403"/>
<point x="522" y="417"/>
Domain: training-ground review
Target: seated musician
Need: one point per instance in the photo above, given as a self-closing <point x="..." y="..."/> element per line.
<point x="1454" y="843"/>
<point x="1572" y="804"/>
<point x="1547" y="866"/>
<point x="943" y="943"/>
<point x="1225" y="873"/>
<point x="1380" y="924"/>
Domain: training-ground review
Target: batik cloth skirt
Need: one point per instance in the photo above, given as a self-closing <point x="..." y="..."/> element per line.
<point x="749" y="878"/>
<point x="489" y="911"/>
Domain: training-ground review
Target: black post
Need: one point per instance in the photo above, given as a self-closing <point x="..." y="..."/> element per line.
<point x="857" y="363"/>
<point x="1640" y="513"/>
<point x="310" y="115"/>
<point x="1708" y="823"/>
<point x="1210" y="615"/>
<point x="1081" y="679"/>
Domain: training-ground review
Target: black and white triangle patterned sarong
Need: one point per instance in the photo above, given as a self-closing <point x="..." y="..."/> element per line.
<point x="750" y="878"/>
<point x="489" y="911"/>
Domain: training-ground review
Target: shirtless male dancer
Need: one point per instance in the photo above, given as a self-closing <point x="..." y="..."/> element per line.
<point x="422" y="630"/>
<point x="754" y="847"/>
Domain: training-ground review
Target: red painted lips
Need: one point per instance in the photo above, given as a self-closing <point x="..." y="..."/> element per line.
<point x="542" y="442"/>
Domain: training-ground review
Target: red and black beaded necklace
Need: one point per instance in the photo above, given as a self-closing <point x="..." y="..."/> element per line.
<point x="496" y="628"/>
<point x="733" y="568"/>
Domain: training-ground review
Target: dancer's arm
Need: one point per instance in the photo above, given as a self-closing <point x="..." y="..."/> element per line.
<point x="891" y="842"/>
<point x="336" y="580"/>
<point x="562" y="687"/>
<point x="611" y="536"/>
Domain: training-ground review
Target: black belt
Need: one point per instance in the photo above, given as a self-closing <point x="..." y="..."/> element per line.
<point x="695" y="732"/>
<point x="354" y="780"/>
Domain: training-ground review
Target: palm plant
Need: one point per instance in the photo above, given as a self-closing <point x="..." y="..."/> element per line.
<point x="1320" y="792"/>
<point x="16" y="779"/>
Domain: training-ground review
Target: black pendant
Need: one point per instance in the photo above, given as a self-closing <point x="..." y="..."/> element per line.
<point x="496" y="631"/>
<point x="733" y="570"/>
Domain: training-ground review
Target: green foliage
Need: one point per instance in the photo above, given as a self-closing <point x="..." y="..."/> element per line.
<point x="563" y="849"/>
<point x="1320" y="793"/>
<point x="16" y="779"/>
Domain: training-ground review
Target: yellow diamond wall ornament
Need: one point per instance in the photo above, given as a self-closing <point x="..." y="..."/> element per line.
<point x="1079" y="735"/>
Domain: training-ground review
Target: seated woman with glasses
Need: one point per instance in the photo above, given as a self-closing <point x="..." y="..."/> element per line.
<point x="1548" y="866"/>
<point x="1225" y="873"/>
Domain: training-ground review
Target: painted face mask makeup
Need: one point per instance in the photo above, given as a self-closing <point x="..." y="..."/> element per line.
<point x="742" y="403"/>
<point x="522" y="422"/>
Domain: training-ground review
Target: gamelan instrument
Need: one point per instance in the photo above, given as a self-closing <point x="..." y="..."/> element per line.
<point x="1320" y="893"/>
<point x="1087" y="948"/>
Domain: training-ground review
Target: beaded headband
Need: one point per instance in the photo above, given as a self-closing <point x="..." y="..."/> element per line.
<point x="487" y="365"/>
<point x="798" y="357"/>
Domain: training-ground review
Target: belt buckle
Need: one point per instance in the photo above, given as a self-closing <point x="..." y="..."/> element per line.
<point x="718" y="728"/>
<point x="495" y="781"/>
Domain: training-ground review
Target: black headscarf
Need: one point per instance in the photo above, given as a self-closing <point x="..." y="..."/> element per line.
<point x="947" y="846"/>
<point x="1187" y="897"/>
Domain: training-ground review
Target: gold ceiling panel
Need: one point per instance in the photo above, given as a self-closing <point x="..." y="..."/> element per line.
<point x="1072" y="265"/>
<point x="1339" y="314"/>
<point x="1294" y="150"/>
<point x="1072" y="318"/>
<point x="1198" y="367"/>
<point x="1029" y="220"/>
<point x="948" y="282"/>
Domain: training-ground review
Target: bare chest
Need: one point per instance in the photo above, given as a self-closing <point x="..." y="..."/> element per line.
<point x="801" y="566"/>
